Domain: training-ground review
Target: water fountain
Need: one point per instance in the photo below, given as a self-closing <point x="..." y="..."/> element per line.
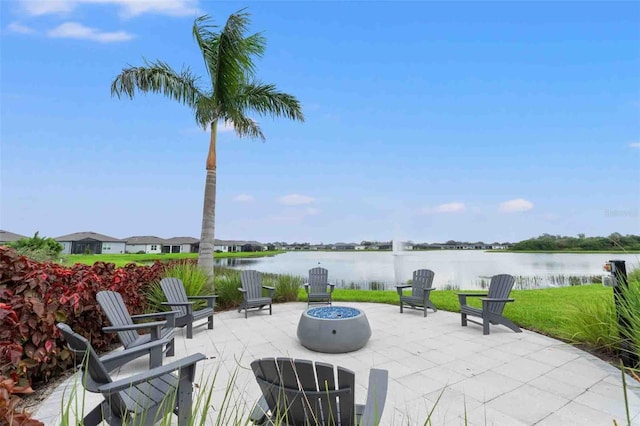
<point x="399" y="268"/>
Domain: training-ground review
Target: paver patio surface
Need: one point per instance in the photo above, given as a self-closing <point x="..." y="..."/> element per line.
<point x="505" y="378"/>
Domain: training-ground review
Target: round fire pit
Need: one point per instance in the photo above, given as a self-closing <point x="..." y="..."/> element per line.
<point x="333" y="329"/>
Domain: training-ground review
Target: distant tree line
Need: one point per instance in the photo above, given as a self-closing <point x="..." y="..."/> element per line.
<point x="547" y="242"/>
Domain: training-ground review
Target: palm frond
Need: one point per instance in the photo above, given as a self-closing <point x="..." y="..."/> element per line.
<point x="206" y="111"/>
<point x="158" y="77"/>
<point x="265" y="99"/>
<point x="243" y="125"/>
<point x="234" y="57"/>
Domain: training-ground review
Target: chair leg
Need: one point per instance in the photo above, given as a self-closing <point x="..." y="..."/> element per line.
<point x="95" y="417"/>
<point x="210" y="326"/>
<point x="401" y="311"/>
<point x="463" y="317"/>
<point x="425" y="310"/>
<point x="190" y="329"/>
<point x="185" y="397"/>
<point x="246" y="308"/>
<point x="485" y="325"/>
<point x="269" y="308"/>
<point x="155" y="357"/>
<point x="171" y="348"/>
<point x="506" y="322"/>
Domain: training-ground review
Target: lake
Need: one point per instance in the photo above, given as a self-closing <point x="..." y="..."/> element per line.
<point x="454" y="269"/>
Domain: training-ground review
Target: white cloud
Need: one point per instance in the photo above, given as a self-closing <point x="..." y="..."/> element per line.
<point x="225" y="126"/>
<point x="634" y="145"/>
<point x="517" y="205"/>
<point x="79" y="31"/>
<point x="311" y="211"/>
<point x="444" y="208"/>
<point x="450" y="208"/>
<point x="15" y="27"/>
<point x="243" y="198"/>
<point x="127" y="8"/>
<point x="295" y="200"/>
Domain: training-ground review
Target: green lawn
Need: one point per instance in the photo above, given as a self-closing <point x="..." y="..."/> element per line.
<point x="123" y="259"/>
<point x="543" y="310"/>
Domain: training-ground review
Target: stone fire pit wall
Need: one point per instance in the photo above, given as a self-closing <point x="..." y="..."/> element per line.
<point x="333" y="329"/>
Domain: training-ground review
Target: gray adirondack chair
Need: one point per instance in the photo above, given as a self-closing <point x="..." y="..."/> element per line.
<point x="300" y="392"/>
<point x="252" y="292"/>
<point x="122" y="323"/>
<point x="318" y="288"/>
<point x="142" y="399"/>
<point x="421" y="288"/>
<point x="493" y="304"/>
<point x="177" y="299"/>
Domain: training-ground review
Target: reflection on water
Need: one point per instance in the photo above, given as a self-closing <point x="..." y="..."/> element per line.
<point x="232" y="262"/>
<point x="453" y="269"/>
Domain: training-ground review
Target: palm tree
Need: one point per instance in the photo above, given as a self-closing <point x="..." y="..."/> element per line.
<point x="232" y="96"/>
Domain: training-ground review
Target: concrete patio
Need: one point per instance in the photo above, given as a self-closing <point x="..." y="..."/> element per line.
<point x="505" y="378"/>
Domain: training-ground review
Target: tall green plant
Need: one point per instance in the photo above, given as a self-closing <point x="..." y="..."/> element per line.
<point x="233" y="96"/>
<point x="593" y="322"/>
<point x="195" y="282"/>
<point x="629" y="310"/>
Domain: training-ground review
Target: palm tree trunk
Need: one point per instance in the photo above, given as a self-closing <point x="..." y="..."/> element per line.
<point x="207" y="236"/>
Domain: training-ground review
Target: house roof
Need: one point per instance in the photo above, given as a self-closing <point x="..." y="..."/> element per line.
<point x="78" y="236"/>
<point x="7" y="237"/>
<point x="145" y="239"/>
<point x="236" y="243"/>
<point x="181" y="240"/>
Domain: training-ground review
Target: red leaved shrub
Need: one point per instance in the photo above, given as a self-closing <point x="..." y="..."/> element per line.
<point x="34" y="296"/>
<point x="9" y="415"/>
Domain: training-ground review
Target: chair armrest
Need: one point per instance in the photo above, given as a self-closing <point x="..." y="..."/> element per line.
<point x="242" y="290"/>
<point x="128" y="382"/>
<point x="331" y="287"/>
<point x="462" y="297"/>
<point x="492" y="300"/>
<point x="211" y="300"/>
<point x="112" y="359"/>
<point x="187" y="305"/>
<point x="129" y="327"/>
<point x="376" y="397"/>
<point x="401" y="287"/>
<point x="270" y="289"/>
<point x="155" y="315"/>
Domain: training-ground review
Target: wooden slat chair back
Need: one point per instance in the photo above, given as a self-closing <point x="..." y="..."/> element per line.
<point x="421" y="288"/>
<point x="125" y="326"/>
<point x="300" y="392"/>
<point x="318" y="288"/>
<point x="252" y="292"/>
<point x="499" y="288"/>
<point x="493" y="303"/>
<point x="142" y="399"/>
<point x="113" y="306"/>
<point x="177" y="299"/>
<point x="174" y="291"/>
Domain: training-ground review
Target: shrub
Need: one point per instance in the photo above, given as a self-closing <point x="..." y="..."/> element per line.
<point x="38" y="248"/>
<point x="34" y="296"/>
<point x="227" y="281"/>
<point x="9" y="390"/>
<point x="593" y="322"/>
<point x="193" y="278"/>
<point x="629" y="310"/>
<point x="287" y="287"/>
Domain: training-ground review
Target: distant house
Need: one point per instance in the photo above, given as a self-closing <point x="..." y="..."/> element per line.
<point x="344" y="246"/>
<point x="90" y="243"/>
<point x="144" y="244"/>
<point x="9" y="237"/>
<point x="181" y="245"/>
<point x="227" y="246"/>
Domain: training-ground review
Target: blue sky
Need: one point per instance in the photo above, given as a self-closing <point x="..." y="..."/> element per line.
<point x="427" y="121"/>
